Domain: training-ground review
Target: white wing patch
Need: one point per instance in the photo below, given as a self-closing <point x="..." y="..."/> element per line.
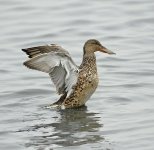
<point x="61" y="68"/>
<point x="58" y="75"/>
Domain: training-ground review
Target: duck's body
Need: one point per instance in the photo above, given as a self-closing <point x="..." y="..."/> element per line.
<point x="76" y="84"/>
<point x="86" y="84"/>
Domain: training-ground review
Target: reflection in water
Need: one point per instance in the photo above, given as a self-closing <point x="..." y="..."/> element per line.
<point x="74" y="127"/>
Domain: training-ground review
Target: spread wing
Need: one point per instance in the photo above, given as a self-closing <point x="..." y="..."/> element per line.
<point x="57" y="62"/>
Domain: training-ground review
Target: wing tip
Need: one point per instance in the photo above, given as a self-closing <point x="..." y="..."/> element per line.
<point x="26" y="63"/>
<point x="28" y="52"/>
<point x="25" y="50"/>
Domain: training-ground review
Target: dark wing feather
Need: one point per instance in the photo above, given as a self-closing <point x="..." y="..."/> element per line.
<point x="34" y="51"/>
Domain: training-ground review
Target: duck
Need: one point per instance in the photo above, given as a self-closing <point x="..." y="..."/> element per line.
<point x="75" y="84"/>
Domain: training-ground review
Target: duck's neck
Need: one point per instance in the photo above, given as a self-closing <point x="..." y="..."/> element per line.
<point x="88" y="60"/>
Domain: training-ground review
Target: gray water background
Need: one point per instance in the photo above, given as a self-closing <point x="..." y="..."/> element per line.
<point x="119" y="116"/>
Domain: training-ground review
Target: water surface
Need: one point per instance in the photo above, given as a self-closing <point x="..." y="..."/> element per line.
<point x="118" y="116"/>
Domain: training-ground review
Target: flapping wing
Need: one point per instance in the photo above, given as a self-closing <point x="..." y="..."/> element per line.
<point x="57" y="62"/>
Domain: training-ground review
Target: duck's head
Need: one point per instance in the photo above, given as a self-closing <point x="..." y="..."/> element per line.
<point x="93" y="45"/>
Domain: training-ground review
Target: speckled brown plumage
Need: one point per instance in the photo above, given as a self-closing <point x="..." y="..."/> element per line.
<point x="75" y="84"/>
<point x="86" y="84"/>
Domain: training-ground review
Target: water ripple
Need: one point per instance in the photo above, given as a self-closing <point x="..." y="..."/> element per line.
<point x="120" y="113"/>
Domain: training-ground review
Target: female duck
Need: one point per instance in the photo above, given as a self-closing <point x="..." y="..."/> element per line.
<point x="74" y="84"/>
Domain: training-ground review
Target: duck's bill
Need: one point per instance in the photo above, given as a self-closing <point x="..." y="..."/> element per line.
<point x="105" y="50"/>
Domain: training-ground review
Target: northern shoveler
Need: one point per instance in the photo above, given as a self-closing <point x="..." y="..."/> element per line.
<point x="74" y="84"/>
